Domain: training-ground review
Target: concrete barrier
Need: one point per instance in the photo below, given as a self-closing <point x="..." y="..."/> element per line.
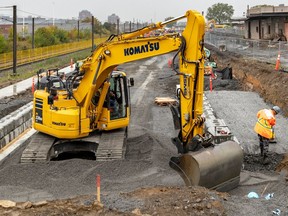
<point x="14" y="124"/>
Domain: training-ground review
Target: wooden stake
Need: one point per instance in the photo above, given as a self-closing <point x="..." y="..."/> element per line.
<point x="264" y="190"/>
<point x="98" y="187"/>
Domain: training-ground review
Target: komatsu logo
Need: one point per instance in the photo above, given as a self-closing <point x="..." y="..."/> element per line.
<point x="59" y="123"/>
<point x="149" y="47"/>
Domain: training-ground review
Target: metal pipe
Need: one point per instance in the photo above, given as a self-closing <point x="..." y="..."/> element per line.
<point x="173" y="20"/>
<point x="14" y="39"/>
<point x="149" y="28"/>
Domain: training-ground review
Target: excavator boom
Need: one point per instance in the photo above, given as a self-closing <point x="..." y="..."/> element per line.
<point x="95" y="100"/>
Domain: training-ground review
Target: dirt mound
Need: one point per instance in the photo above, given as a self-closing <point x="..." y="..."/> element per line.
<point x="82" y="205"/>
<point x="155" y="201"/>
<point x="180" y="201"/>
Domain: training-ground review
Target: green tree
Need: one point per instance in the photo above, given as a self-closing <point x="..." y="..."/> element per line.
<point x="51" y="35"/>
<point x="97" y="26"/>
<point x="220" y="12"/>
<point x="60" y="34"/>
<point x="86" y="34"/>
<point x="44" y="37"/>
<point x="110" y="27"/>
<point x="73" y="34"/>
<point x="3" y="44"/>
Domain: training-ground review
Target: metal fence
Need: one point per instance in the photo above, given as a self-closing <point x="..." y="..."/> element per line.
<point x="32" y="55"/>
<point x="266" y="51"/>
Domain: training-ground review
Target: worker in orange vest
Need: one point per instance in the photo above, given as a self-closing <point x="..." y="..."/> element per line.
<point x="264" y="129"/>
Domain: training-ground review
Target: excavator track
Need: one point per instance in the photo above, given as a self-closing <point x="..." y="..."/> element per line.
<point x="38" y="148"/>
<point x="112" y="145"/>
<point x="106" y="146"/>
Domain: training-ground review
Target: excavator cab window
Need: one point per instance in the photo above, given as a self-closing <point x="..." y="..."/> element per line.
<point x="118" y="97"/>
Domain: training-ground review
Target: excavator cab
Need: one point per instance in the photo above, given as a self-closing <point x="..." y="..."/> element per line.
<point x="117" y="100"/>
<point x="118" y="96"/>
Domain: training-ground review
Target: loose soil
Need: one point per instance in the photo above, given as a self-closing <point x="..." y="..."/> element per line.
<point x="143" y="183"/>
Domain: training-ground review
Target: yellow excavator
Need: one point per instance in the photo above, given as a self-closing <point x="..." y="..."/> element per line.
<point x="211" y="24"/>
<point x="90" y="109"/>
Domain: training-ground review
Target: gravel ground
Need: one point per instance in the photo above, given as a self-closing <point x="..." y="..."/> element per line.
<point x="10" y="104"/>
<point x="249" y="103"/>
<point x="144" y="181"/>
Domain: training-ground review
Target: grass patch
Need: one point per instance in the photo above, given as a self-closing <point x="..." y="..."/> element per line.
<point x="23" y="72"/>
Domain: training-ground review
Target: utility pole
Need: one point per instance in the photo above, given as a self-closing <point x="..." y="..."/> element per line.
<point x="92" y="33"/>
<point x="78" y="26"/>
<point x="14" y="40"/>
<point x="118" y="26"/>
<point x="130" y="27"/>
<point x="53" y="13"/>
<point x="33" y="24"/>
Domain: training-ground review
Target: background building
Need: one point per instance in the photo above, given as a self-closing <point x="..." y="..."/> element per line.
<point x="84" y="14"/>
<point x="113" y="19"/>
<point x="267" y="22"/>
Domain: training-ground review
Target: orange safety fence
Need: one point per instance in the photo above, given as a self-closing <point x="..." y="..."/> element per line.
<point x="37" y="54"/>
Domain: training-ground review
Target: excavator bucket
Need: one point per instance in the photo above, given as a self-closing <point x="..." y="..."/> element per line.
<point x="216" y="167"/>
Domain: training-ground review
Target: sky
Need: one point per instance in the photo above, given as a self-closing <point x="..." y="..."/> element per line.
<point x="127" y="10"/>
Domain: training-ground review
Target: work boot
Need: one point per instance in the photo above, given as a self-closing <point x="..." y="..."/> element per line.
<point x="265" y="160"/>
<point x="261" y="150"/>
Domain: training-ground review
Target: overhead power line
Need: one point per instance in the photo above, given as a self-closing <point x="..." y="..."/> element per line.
<point x="6" y="7"/>
<point x="35" y="14"/>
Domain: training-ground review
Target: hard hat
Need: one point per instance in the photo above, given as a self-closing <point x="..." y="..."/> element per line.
<point x="276" y="109"/>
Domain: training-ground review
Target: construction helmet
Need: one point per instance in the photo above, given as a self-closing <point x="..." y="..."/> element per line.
<point x="276" y="109"/>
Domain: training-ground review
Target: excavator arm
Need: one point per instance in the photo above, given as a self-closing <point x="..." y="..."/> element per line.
<point x="132" y="46"/>
<point x="71" y="115"/>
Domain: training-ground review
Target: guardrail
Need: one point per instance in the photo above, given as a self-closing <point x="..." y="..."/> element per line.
<point x="37" y="54"/>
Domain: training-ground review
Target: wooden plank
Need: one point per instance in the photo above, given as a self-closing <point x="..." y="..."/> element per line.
<point x="164" y="101"/>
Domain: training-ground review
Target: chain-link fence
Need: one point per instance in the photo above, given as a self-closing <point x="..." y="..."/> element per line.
<point x="266" y="51"/>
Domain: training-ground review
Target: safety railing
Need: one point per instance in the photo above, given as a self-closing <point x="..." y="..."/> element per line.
<point x="37" y="54"/>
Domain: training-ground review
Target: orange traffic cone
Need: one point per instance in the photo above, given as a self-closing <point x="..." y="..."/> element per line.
<point x="277" y="66"/>
<point x="210" y="83"/>
<point x="33" y="85"/>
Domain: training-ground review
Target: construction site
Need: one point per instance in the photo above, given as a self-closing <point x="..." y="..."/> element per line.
<point x="142" y="182"/>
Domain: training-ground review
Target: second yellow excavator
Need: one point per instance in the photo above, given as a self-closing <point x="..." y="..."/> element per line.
<point x="90" y="110"/>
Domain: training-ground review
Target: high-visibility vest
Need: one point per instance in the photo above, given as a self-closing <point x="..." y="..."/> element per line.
<point x="265" y="123"/>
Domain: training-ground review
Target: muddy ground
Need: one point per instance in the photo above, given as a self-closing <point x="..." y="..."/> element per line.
<point x="143" y="183"/>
